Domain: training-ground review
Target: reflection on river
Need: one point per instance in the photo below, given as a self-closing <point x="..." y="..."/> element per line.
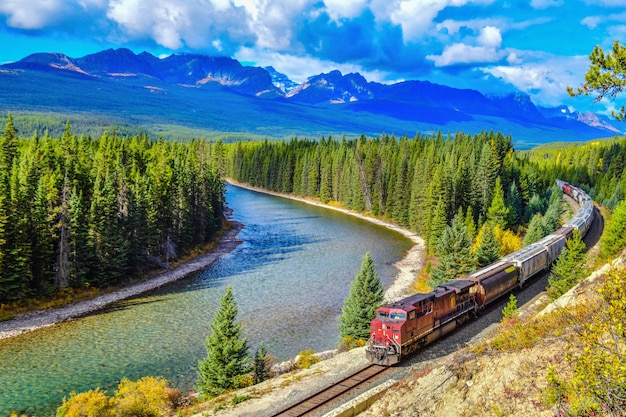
<point x="289" y="277"/>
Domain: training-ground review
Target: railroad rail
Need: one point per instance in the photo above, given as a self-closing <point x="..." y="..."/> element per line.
<point x="321" y="398"/>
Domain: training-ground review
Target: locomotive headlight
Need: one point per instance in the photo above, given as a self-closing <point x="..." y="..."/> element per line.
<point x="395" y="336"/>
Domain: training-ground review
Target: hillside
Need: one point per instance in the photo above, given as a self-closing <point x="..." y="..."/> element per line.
<point x="210" y="95"/>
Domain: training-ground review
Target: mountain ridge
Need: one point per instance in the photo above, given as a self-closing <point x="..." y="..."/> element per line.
<point x="332" y="102"/>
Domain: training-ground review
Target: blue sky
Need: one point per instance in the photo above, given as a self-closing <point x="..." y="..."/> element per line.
<point x="536" y="46"/>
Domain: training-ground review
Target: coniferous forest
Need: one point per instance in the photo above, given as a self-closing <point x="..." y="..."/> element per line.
<point x="419" y="183"/>
<point x="77" y="212"/>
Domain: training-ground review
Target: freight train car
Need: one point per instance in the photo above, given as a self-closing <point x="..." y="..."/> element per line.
<point x="404" y="326"/>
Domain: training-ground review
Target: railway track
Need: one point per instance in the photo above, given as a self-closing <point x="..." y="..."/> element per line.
<point x="325" y="396"/>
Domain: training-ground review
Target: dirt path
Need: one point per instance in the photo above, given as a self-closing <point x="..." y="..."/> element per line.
<point x="45" y="318"/>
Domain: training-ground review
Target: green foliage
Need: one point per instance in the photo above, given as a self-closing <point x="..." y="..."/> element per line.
<point x="419" y="183"/>
<point x="454" y="253"/>
<point x="543" y="225"/>
<point x="536" y="230"/>
<point x="569" y="268"/>
<point x="359" y="308"/>
<point x="238" y="399"/>
<point x="498" y="212"/>
<point x="510" y="310"/>
<point x="82" y="212"/>
<point x="261" y="365"/>
<point x="487" y="246"/>
<point x="227" y="352"/>
<point x="594" y="383"/>
<point x="514" y="202"/>
<point x="614" y="238"/>
<point x="606" y="76"/>
<point x="306" y="358"/>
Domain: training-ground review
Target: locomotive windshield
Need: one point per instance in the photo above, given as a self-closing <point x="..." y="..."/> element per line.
<point x="383" y="315"/>
<point x="398" y="316"/>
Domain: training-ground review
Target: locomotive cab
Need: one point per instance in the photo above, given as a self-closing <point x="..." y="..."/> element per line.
<point x="397" y="327"/>
<point x="386" y="334"/>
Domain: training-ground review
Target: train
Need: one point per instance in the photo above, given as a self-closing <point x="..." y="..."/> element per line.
<point x="402" y="327"/>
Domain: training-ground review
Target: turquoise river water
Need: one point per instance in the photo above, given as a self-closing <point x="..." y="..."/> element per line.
<point x="289" y="277"/>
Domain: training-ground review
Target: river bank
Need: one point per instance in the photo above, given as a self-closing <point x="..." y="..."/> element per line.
<point x="408" y="267"/>
<point x="45" y="318"/>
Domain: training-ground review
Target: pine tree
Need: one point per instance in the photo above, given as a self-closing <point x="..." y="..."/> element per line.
<point x="488" y="249"/>
<point x="614" y="239"/>
<point x="261" y="365"/>
<point x="227" y="351"/>
<point x="569" y="267"/>
<point x="605" y="77"/>
<point x="454" y="253"/>
<point x="470" y="224"/>
<point x="498" y="212"/>
<point x="513" y="200"/>
<point x="438" y="224"/>
<point x="359" y="308"/>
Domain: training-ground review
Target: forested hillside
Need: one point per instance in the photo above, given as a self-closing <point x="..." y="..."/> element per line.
<point x="420" y="183"/>
<point x="596" y="166"/>
<point x="80" y="212"/>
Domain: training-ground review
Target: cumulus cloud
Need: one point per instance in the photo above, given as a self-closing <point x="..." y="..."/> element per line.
<point x="486" y="50"/>
<point x="42" y="14"/>
<point x="175" y="24"/>
<point x="300" y="68"/>
<point x="344" y="9"/>
<point x="386" y="40"/>
<point x="416" y="17"/>
<point x="545" y="80"/>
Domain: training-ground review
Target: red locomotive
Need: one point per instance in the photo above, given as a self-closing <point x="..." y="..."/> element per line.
<point x="404" y="326"/>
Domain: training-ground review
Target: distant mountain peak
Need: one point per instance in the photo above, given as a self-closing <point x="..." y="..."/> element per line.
<point x="281" y="81"/>
<point x="334" y="87"/>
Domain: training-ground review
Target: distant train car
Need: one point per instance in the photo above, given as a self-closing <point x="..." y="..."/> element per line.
<point x="402" y="327"/>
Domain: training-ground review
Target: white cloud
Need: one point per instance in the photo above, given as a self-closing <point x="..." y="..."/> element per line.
<point x="300" y="68"/>
<point x="490" y="36"/>
<point x="175" y="24"/>
<point x="41" y="14"/>
<point x="606" y="3"/>
<point x="544" y="4"/>
<point x="544" y="81"/>
<point x="416" y="17"/>
<point x="460" y="53"/>
<point x="338" y="9"/>
<point x="486" y="50"/>
<point x="591" y="21"/>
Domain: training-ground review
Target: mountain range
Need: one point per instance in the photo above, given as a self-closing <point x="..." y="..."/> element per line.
<point x="218" y="94"/>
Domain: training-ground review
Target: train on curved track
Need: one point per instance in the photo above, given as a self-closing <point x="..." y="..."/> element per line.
<point x="404" y="326"/>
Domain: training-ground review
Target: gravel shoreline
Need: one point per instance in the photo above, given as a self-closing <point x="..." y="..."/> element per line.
<point x="49" y="317"/>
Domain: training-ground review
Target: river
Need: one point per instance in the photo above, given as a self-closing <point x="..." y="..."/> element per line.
<point x="289" y="278"/>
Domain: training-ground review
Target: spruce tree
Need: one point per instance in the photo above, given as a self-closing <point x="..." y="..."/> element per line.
<point x="498" y="212"/>
<point x="488" y="249"/>
<point x="261" y="365"/>
<point x="614" y="239"/>
<point x="227" y="352"/>
<point x="359" y="309"/>
<point x="513" y="200"/>
<point x="454" y="253"/>
<point x="569" y="267"/>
